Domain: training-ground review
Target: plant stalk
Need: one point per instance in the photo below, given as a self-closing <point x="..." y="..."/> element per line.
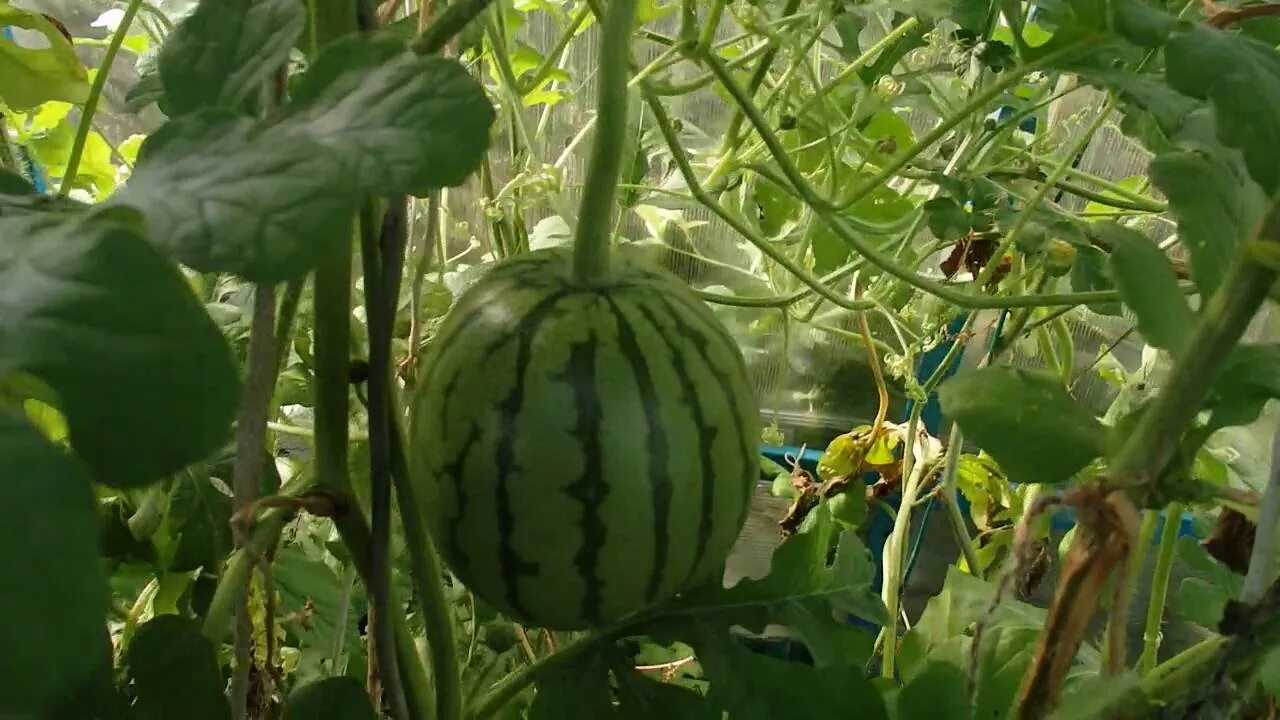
<point x="447" y="24"/>
<point x="839" y="223"/>
<point x="429" y="585"/>
<point x="1170" y="679"/>
<point x="1148" y="450"/>
<point x="250" y="438"/>
<point x="380" y="250"/>
<point x="592" y="237"/>
<point x="1055" y="176"/>
<point x="895" y="547"/>
<point x="816" y="285"/>
<point x="1142" y="459"/>
<point x="731" y="139"/>
<point x="513" y="684"/>
<point x="95" y="96"/>
<point x="1151" y="634"/>
<point x="951" y="495"/>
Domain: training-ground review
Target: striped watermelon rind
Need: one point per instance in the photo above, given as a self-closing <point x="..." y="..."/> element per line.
<point x="587" y="450"/>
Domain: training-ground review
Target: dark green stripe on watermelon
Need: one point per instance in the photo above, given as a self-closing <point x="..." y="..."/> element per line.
<point x="746" y="414"/>
<point x="585" y="450"/>
<point x="590" y="488"/>
<point x="656" y="447"/>
<point x="706" y="461"/>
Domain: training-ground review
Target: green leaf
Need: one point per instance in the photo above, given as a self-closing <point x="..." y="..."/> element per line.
<point x="304" y="583"/>
<point x="936" y="693"/>
<point x="17" y="197"/>
<point x="54" y="596"/>
<point x="774" y="206"/>
<point x="1090" y="272"/>
<point x="830" y="251"/>
<point x="223" y="196"/>
<point x="1249" y="378"/>
<point x="579" y="689"/>
<point x="799" y="573"/>
<point x="848" y="26"/>
<point x="96" y="172"/>
<point x="221" y="53"/>
<point x="850" y="506"/>
<point x="174" y="670"/>
<point x="48" y="71"/>
<point x="965" y="599"/>
<point x="752" y="686"/>
<point x="1216" y="210"/>
<point x="408" y="124"/>
<point x="145" y="380"/>
<point x="882" y="206"/>
<point x="334" y="698"/>
<point x="97" y="697"/>
<point x="889" y="133"/>
<point x="1101" y="696"/>
<point x="1240" y="76"/>
<point x="339" y="57"/>
<point x="1149" y="287"/>
<point x="828" y="638"/>
<point x="1006" y="654"/>
<point x="1026" y="421"/>
<point x="198" y="523"/>
<point x="644" y="698"/>
<point x="146" y="91"/>
<point x="942" y="637"/>
<point x="947" y="220"/>
<point x="1201" y="602"/>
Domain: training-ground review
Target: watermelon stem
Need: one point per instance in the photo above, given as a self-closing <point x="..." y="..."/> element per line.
<point x="593" y="236"/>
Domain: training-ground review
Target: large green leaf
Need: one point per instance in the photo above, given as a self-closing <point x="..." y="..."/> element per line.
<point x="1202" y="597"/>
<point x="175" y="672"/>
<point x="334" y="698"/>
<point x="220" y="194"/>
<point x="752" y="686"/>
<point x="965" y="599"/>
<point x="1240" y="76"/>
<point x="1215" y="207"/>
<point x="1026" y="421"/>
<point x="799" y="574"/>
<point x="942" y="636"/>
<point x="305" y="583"/>
<point x="30" y="76"/>
<point x="579" y="689"/>
<point x="1101" y="696"/>
<point x="937" y="692"/>
<point x="1149" y="287"/>
<point x="198" y="524"/>
<point x="224" y="50"/>
<point x="145" y="380"/>
<point x="407" y="124"/>
<point x="1249" y="378"/>
<point x="54" y="595"/>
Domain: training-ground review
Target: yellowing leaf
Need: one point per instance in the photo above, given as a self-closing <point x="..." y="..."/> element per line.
<point x="34" y="70"/>
<point x="47" y="418"/>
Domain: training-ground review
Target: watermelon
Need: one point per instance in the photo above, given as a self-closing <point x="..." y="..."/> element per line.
<point x="584" y="450"/>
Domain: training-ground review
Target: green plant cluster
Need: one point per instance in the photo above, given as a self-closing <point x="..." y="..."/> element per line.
<point x="208" y="336"/>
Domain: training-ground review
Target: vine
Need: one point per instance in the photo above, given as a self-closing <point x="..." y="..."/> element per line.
<point x="220" y="321"/>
